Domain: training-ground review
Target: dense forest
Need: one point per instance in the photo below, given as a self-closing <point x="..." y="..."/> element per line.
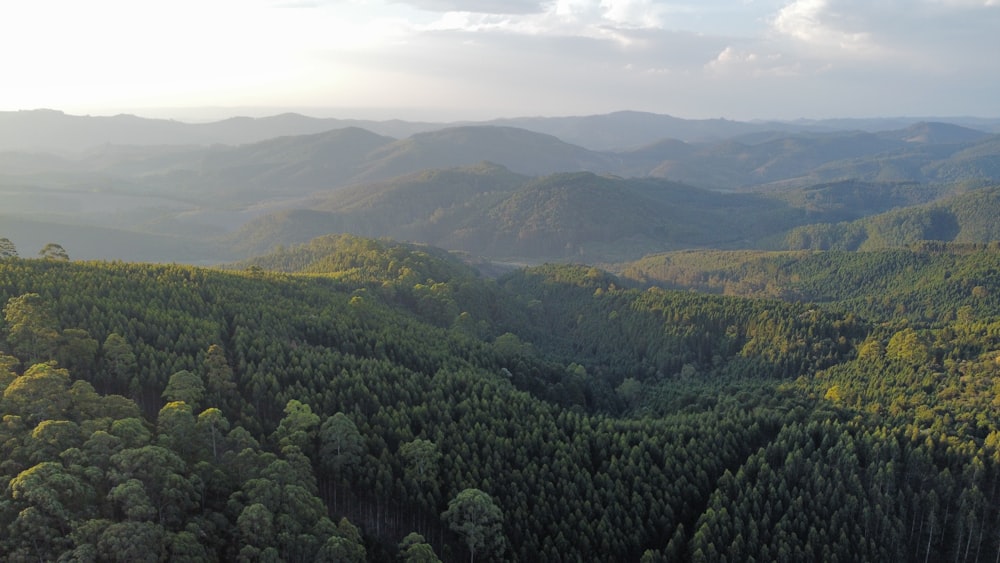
<point x="355" y="399"/>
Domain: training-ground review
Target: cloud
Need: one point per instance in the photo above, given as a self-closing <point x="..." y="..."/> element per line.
<point x="917" y="33"/>
<point x="735" y="63"/>
<point x="479" y="6"/>
<point x="967" y="3"/>
<point x="641" y="14"/>
<point x="829" y="27"/>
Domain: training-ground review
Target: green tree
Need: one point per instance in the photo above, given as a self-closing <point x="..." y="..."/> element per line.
<point x="132" y="500"/>
<point x="7" y="249"/>
<point x="40" y="394"/>
<point x="422" y="458"/>
<point x="212" y="426"/>
<point x="32" y="330"/>
<point x="220" y="383"/>
<point x="133" y="542"/>
<point x="341" y="445"/>
<point x="176" y="429"/>
<point x="47" y="499"/>
<point x="77" y="351"/>
<point x="415" y="549"/>
<point x="297" y="427"/>
<point x="345" y="546"/>
<point x="474" y="515"/>
<point x="53" y="251"/>
<point x="7" y="375"/>
<point x="256" y="525"/>
<point x="185" y="386"/>
<point x="120" y="362"/>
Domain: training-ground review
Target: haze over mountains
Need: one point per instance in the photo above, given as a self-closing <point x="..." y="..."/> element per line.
<point x="606" y="187"/>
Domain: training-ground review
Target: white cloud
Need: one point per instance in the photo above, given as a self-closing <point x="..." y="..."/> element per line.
<point x="641" y="14"/>
<point x="737" y="63"/>
<point x="478" y="6"/>
<point x="688" y="57"/>
<point x="966" y="3"/>
<point x="830" y="28"/>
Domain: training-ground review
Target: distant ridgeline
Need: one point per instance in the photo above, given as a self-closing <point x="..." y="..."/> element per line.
<point x="594" y="189"/>
<point x="353" y="399"/>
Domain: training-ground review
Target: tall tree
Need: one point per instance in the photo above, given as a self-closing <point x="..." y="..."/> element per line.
<point x="32" y="330"/>
<point x="119" y="361"/>
<point x="474" y="515"/>
<point x="40" y="394"/>
<point x="53" y="251"/>
<point x="422" y="458"/>
<point x="185" y="386"/>
<point x="415" y="549"/>
<point x="7" y="249"/>
<point x="341" y="445"/>
<point x="220" y="384"/>
<point x="297" y="427"/>
<point x="77" y="351"/>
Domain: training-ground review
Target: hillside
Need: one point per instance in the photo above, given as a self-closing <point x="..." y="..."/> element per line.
<point x="522" y="151"/>
<point x="928" y="282"/>
<point x="488" y="211"/>
<point x="246" y="414"/>
<point x="966" y="217"/>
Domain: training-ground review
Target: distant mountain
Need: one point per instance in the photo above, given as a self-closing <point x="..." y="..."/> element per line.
<point x="629" y="129"/>
<point x="875" y="124"/>
<point x="51" y="130"/>
<point x="487" y="210"/>
<point x="965" y="218"/>
<point x="926" y="153"/>
<point x="935" y="133"/>
<point x="976" y="162"/>
<point x="281" y="167"/>
<point x="292" y="167"/>
<point x="522" y="151"/>
<point x="732" y="164"/>
<point x="56" y="131"/>
<point x="498" y="191"/>
<point x="847" y="200"/>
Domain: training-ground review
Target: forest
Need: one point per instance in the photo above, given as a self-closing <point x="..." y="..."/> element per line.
<point x="355" y="399"/>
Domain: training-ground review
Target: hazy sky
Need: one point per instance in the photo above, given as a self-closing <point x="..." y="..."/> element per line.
<point x="477" y="59"/>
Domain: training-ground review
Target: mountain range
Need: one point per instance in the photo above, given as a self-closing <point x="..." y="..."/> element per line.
<point x="502" y="192"/>
<point x="52" y="130"/>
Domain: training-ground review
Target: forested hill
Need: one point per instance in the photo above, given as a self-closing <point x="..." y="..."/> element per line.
<point x="155" y="412"/>
<point x="967" y="218"/>
<point x="487" y="210"/>
<point x="927" y="282"/>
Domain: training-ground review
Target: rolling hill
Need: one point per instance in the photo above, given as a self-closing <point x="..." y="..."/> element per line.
<point x="967" y="218"/>
<point x="487" y="210"/>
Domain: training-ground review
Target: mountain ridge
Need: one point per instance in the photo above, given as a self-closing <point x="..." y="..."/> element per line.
<point x="47" y="129"/>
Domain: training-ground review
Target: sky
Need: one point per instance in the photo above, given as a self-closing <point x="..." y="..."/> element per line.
<point x="483" y="59"/>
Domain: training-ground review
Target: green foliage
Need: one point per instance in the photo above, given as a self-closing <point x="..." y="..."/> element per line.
<point x="32" y="332"/>
<point x="609" y="422"/>
<point x="966" y="218"/>
<point x="7" y="249"/>
<point x="474" y="516"/>
<point x="53" y="251"/>
<point x="928" y="282"/>
<point x="186" y="387"/>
